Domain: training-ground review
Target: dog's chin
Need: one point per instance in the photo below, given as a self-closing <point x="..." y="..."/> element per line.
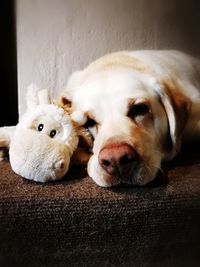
<point x="106" y="181"/>
<point x="140" y="177"/>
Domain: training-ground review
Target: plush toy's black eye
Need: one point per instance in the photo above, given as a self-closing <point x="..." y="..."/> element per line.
<point x="52" y="133"/>
<point x="40" y="127"/>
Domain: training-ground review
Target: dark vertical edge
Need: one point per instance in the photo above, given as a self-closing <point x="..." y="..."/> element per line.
<point x="8" y="64"/>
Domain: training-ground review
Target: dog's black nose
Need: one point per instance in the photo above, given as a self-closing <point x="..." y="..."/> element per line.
<point x="116" y="159"/>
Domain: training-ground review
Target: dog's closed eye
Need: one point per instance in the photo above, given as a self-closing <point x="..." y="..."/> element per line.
<point x="139" y="109"/>
<point x="92" y="127"/>
<point x="90" y="123"/>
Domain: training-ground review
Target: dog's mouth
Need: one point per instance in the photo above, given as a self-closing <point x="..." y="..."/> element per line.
<point x="129" y="176"/>
<point x="137" y="175"/>
<point x="125" y="175"/>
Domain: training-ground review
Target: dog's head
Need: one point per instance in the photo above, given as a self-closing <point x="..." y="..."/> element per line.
<point x="133" y="119"/>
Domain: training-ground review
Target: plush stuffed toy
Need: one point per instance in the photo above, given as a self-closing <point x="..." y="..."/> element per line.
<point x="42" y="143"/>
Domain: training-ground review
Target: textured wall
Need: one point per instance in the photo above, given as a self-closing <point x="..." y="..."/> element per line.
<point x="57" y="37"/>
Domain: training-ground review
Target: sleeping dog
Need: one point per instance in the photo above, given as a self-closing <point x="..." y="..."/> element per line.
<point x="140" y="106"/>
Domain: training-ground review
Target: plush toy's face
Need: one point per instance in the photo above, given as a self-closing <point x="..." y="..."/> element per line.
<point x="43" y="143"/>
<point x="50" y="120"/>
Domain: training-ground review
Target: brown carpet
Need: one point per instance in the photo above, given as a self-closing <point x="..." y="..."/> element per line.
<point x="73" y="222"/>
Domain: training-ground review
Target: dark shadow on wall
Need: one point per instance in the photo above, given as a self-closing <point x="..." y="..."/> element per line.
<point x="187" y="21"/>
<point x="178" y="25"/>
<point x="8" y="64"/>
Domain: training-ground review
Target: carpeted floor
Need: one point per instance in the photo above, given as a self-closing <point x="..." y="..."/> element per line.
<point x="74" y="222"/>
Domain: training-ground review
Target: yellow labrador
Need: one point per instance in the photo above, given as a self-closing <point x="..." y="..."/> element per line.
<point x="140" y="106"/>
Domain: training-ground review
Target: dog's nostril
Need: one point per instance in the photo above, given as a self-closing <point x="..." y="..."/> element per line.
<point x="109" y="166"/>
<point x="126" y="159"/>
<point x="59" y="165"/>
<point x="106" y="163"/>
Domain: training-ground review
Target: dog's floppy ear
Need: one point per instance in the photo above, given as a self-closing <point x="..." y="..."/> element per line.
<point x="177" y="107"/>
<point x="66" y="104"/>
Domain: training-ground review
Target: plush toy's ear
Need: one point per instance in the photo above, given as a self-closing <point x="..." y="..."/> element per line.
<point x="32" y="99"/>
<point x="177" y="107"/>
<point x="44" y="97"/>
<point x="6" y="134"/>
<point x="35" y="96"/>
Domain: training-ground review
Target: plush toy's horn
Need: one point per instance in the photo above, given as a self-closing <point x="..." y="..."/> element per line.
<point x="35" y="96"/>
<point x="44" y="97"/>
<point x="32" y="96"/>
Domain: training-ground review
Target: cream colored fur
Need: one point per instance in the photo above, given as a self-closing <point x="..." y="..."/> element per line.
<point x="167" y="81"/>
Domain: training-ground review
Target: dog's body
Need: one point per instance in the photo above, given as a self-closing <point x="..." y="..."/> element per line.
<point x="143" y="104"/>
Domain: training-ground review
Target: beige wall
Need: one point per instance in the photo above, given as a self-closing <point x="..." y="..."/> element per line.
<point x="57" y="37"/>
